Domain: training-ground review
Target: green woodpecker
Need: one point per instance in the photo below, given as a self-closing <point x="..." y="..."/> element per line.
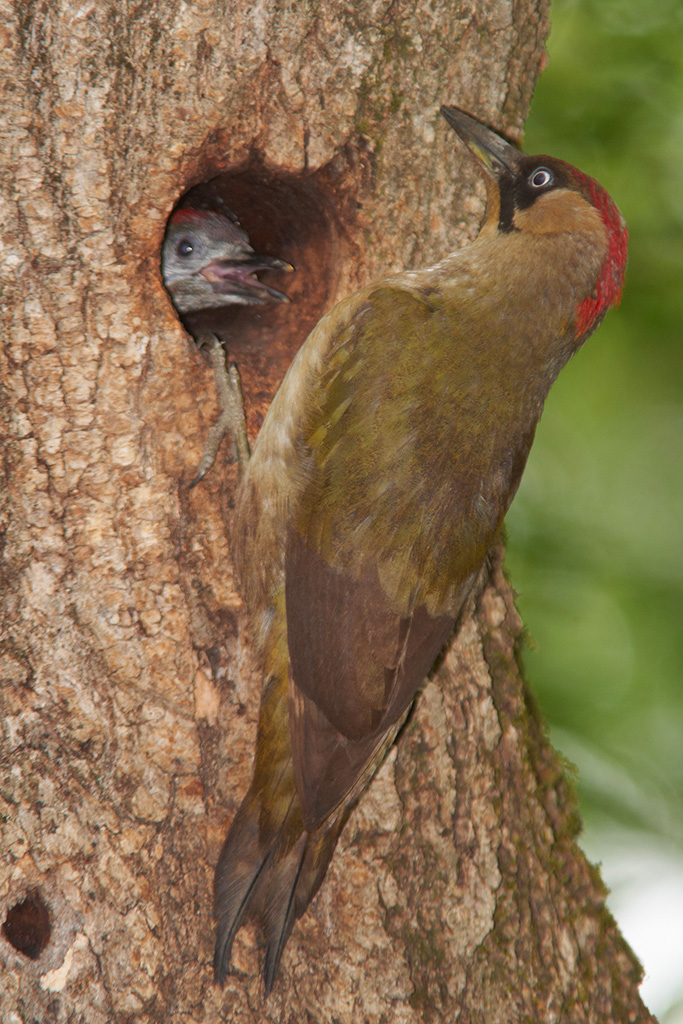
<point x="379" y="480"/>
<point x="209" y="267"/>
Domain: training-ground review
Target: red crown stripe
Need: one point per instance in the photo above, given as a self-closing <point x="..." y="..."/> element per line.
<point x="609" y="285"/>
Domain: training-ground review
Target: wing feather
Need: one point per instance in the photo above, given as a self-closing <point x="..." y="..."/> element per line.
<point x="355" y="666"/>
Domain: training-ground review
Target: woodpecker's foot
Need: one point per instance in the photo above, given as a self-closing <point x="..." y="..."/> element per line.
<point x="232" y="419"/>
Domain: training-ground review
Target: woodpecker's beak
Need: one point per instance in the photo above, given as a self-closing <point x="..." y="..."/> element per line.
<point x="497" y="155"/>
<point x="237" y="277"/>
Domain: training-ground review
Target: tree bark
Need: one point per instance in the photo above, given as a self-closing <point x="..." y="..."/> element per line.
<point x="128" y="700"/>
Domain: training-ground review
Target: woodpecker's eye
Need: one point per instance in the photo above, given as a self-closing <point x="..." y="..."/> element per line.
<point x="184" y="247"/>
<point x="541" y="177"/>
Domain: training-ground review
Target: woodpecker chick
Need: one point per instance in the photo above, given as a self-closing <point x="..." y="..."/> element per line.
<point x="378" y="483"/>
<point x="208" y="264"/>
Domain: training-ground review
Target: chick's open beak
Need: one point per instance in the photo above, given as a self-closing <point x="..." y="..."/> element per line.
<point x="238" y="277"/>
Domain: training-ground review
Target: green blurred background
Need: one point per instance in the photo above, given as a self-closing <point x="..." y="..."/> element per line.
<point x="596" y="532"/>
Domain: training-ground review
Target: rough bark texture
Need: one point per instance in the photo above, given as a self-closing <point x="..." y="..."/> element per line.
<point x="128" y="700"/>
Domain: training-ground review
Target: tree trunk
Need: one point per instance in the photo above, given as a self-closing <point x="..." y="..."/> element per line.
<point x="128" y="696"/>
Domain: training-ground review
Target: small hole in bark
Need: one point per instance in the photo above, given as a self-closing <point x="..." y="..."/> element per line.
<point x="27" y="926"/>
<point x="293" y="218"/>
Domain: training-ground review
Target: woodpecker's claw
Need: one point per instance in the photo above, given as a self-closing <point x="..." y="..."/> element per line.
<point x="231" y="403"/>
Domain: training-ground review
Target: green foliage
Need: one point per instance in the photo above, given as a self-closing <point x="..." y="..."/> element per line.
<point x="596" y="532"/>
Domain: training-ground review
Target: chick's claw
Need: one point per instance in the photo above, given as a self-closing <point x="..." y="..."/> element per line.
<point x="231" y="404"/>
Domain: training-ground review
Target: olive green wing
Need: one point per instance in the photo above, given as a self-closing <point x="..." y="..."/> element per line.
<point x="369" y="606"/>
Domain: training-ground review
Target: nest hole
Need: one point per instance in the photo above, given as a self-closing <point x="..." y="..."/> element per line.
<point x="27" y="926"/>
<point x="296" y="219"/>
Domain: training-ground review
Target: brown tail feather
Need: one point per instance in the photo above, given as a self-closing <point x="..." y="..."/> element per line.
<point x="239" y="868"/>
<point x="274" y="880"/>
<point x="280" y="910"/>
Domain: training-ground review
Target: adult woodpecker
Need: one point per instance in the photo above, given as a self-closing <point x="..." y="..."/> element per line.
<point x="378" y="483"/>
<point x="207" y="265"/>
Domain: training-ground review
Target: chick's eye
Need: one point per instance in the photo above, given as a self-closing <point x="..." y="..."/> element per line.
<point x="541" y="177"/>
<point x="184" y="247"/>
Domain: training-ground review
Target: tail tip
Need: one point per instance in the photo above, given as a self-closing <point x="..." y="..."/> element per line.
<point x="271" y="963"/>
<point x="221" y="958"/>
<point x="221" y="964"/>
